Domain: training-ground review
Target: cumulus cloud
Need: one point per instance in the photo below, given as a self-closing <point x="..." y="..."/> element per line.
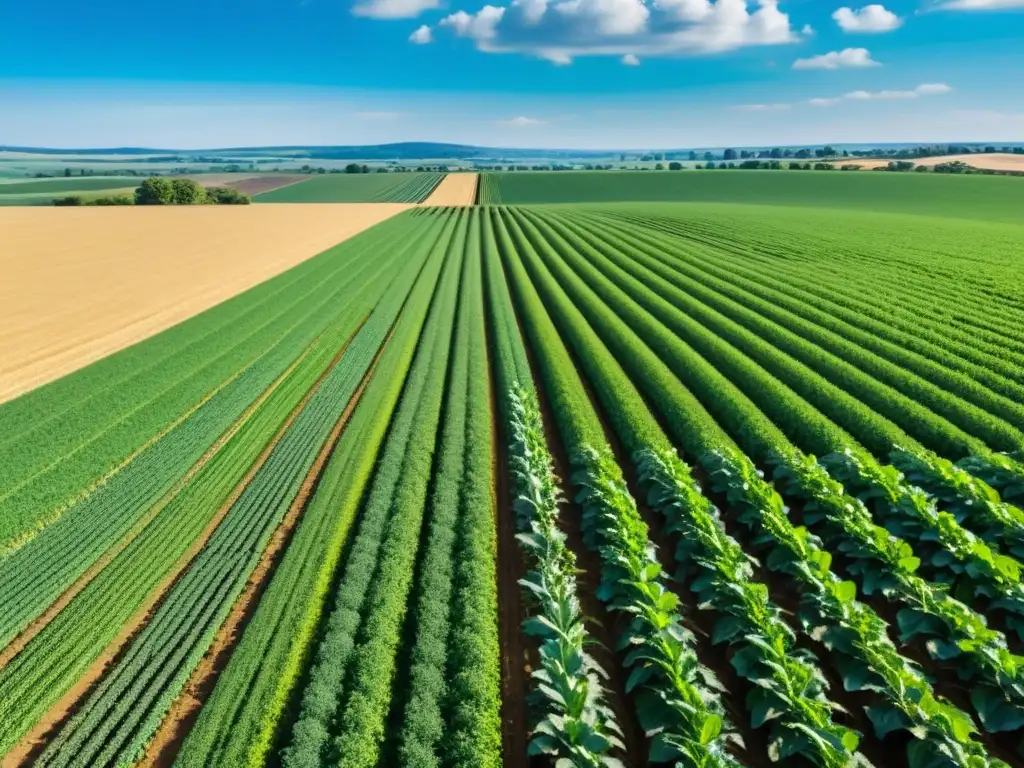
<point x="807" y="31"/>
<point x="422" y="36"/>
<point x="848" y="57"/>
<point x="559" y="30"/>
<point x="630" y="60"/>
<point x="521" y="122"/>
<point x="870" y="18"/>
<point x="394" y="9"/>
<point x="824" y="102"/>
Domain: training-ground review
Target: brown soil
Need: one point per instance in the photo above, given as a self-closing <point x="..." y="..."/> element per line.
<point x="258" y="184"/>
<point x="166" y="743"/>
<point x="454" y="189"/>
<point x="34" y="742"/>
<point x="77" y="284"/>
<point x="18" y="644"/>
<point x="515" y="661"/>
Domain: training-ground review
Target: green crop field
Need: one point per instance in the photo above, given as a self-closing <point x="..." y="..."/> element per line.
<point x="730" y="482"/>
<point x="983" y="197"/>
<point x="356" y="188"/>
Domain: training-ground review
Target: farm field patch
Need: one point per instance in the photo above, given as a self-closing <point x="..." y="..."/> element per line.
<point x="455" y="189"/>
<point x="985" y="197"/>
<point x="356" y="188"/>
<point x="76" y="285"/>
<point x="701" y="484"/>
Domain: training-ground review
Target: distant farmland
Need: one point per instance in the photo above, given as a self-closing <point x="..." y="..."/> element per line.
<point x="356" y="188"/>
<point x="728" y="483"/>
<point x="984" y="197"/>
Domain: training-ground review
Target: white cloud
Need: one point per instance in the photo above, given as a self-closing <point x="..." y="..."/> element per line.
<point x="925" y="89"/>
<point x="522" y="122"/>
<point x="394" y="9"/>
<point x="849" y="57"/>
<point x="807" y="31"/>
<point x="480" y="26"/>
<point x="630" y="60"/>
<point x="422" y="36"/>
<point x="780" y="107"/>
<point x="979" y="5"/>
<point x="559" y="30"/>
<point x="870" y="18"/>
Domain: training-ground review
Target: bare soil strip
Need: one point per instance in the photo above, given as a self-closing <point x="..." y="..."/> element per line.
<point x="454" y="189"/>
<point x="78" y="284"/>
<point x="258" y="184"/>
<point x="515" y="662"/>
<point x="18" y="643"/>
<point x="163" y="749"/>
<point x="35" y="741"/>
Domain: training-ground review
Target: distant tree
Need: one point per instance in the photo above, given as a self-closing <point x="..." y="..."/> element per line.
<point x="900" y="166"/>
<point x="953" y="166"/>
<point x="187" y="192"/>
<point x="675" y="166"/>
<point x="659" y="167"/>
<point x="802" y="154"/>
<point x="708" y="156"/>
<point x="851" y="167"/>
<point x="622" y="158"/>
<point x="709" y="165"/>
<point x="113" y="200"/>
<point x="990" y="150"/>
<point x="750" y="165"/>
<point x="730" y="154"/>
<point x="693" y="156"/>
<point x="824" y="167"/>
<point x="67" y="171"/>
<point x="775" y="154"/>
<point x="226" y="196"/>
<point x="155" y="191"/>
<point x="69" y="200"/>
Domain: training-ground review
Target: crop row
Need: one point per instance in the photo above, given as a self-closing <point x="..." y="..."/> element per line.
<point x="65" y="647"/>
<point x="115" y="721"/>
<point x="345" y="706"/>
<point x="676" y="698"/>
<point x="693" y="427"/>
<point x="570" y="715"/>
<point x="240" y="722"/>
<point x="928" y="311"/>
<point x="959" y="557"/>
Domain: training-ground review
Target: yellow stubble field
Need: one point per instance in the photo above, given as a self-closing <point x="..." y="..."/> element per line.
<point x="77" y="284"/>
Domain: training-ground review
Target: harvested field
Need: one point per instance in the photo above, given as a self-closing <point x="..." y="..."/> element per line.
<point x="998" y="161"/>
<point x="80" y="284"/>
<point x="455" y="189"/>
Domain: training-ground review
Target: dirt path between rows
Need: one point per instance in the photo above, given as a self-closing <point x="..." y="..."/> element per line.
<point x="163" y="749"/>
<point x="78" y="284"/>
<point x="515" y="661"/>
<point x="454" y="189"/>
<point x="35" y="741"/>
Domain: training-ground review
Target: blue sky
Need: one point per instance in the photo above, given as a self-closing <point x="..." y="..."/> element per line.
<point x="554" y="73"/>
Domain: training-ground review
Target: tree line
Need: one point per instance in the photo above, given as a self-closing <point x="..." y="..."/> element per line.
<point x="159" y="190"/>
